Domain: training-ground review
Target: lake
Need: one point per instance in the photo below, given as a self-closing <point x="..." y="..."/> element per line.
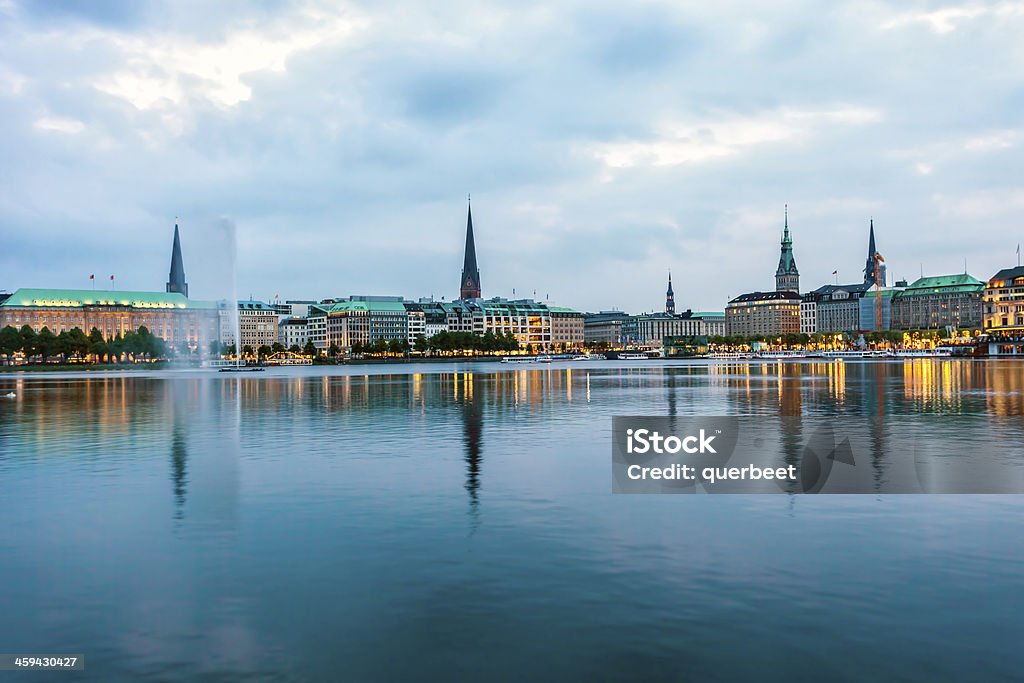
<point x="456" y="521"/>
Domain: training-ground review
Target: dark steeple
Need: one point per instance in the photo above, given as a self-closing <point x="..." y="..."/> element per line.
<point x="869" y="265"/>
<point x="787" y="277"/>
<point x="176" y="279"/>
<point x="470" y="273"/>
<point x="670" y="297"/>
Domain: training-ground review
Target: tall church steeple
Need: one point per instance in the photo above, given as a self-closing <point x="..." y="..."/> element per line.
<point x="787" y="277"/>
<point x="176" y="278"/>
<point x="670" y="297"/>
<point x="470" y="288"/>
<point x="869" y="265"/>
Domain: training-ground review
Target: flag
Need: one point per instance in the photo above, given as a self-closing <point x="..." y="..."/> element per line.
<point x="111" y="278"/>
<point x="835" y="272"/>
<point x="93" y="276"/>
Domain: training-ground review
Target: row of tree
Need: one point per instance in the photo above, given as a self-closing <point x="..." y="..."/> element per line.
<point x="825" y="339"/>
<point x="74" y="344"/>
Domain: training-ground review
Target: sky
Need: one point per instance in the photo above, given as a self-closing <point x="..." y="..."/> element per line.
<point x="604" y="144"/>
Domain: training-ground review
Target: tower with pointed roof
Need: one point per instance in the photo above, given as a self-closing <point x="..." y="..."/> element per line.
<point x="176" y="278"/>
<point x="869" y="265"/>
<point x="670" y="297"/>
<point x="470" y="287"/>
<point x="787" y="277"/>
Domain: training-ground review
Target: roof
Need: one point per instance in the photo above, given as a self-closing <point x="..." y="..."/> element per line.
<point x="75" y="298"/>
<point x="563" y="309"/>
<point x="961" y="282"/>
<point x="1008" y="274"/>
<point x="708" y="314"/>
<point x="766" y="296"/>
<point x="250" y="305"/>
<point x="372" y="306"/>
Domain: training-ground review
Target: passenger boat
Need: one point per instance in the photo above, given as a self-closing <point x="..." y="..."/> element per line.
<point x="852" y="355"/>
<point x="519" y="359"/>
<point x="544" y="358"/>
<point x="780" y="355"/>
<point x="924" y="353"/>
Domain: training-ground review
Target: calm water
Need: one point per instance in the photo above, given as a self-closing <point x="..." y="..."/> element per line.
<point x="445" y="522"/>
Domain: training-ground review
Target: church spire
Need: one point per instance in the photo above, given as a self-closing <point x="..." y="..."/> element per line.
<point x="176" y="277"/>
<point x="470" y="288"/>
<point x="869" y="265"/>
<point x="670" y="297"/>
<point x="787" y="276"/>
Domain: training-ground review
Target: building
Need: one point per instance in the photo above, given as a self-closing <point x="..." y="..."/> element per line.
<point x="651" y="329"/>
<point x="176" y="277"/>
<point x="604" y="327"/>
<point x="938" y="302"/>
<point x="808" y="314"/>
<point x="670" y="297"/>
<point x="566" y="328"/>
<point x="836" y="308"/>
<point x="787" y="276"/>
<point x="365" y="320"/>
<point x="1004" y="303"/>
<point x="871" y="311"/>
<point x="171" y="316"/>
<point x="316" y="326"/>
<point x="874" y="258"/>
<point x="293" y="332"/>
<point x="257" y="324"/>
<point x="470" y="287"/>
<point x="764" y="314"/>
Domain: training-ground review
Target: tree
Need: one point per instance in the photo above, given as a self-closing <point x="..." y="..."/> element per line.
<point x="309" y="349"/>
<point x="46" y="343"/>
<point x="295" y="348"/>
<point x="333" y="350"/>
<point x="277" y="347"/>
<point x="28" y="341"/>
<point x="247" y="350"/>
<point x="10" y="342"/>
<point x="264" y="351"/>
<point x="397" y="346"/>
<point x="97" y="344"/>
<point x="421" y="344"/>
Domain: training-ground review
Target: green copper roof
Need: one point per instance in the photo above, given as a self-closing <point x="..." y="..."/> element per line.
<point x="961" y="282"/>
<point x="369" y="306"/>
<point x="75" y="298"/>
<point x="562" y="309"/>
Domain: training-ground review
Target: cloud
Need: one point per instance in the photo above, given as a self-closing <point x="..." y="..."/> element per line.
<point x="603" y="143"/>
<point x="949" y="19"/>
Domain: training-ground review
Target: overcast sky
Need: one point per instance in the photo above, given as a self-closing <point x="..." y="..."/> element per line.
<point x="604" y="143"/>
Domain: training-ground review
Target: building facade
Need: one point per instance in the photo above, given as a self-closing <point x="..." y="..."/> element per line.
<point x="764" y="314"/>
<point x="1004" y="303"/>
<point x="604" y="327"/>
<point x="171" y="316"/>
<point x="257" y="325"/>
<point x="940" y="301"/>
<point x="293" y="332"/>
<point x="566" y="329"/>
<point x="364" y="320"/>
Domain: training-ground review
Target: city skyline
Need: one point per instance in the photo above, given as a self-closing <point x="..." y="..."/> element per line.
<point x="629" y="158"/>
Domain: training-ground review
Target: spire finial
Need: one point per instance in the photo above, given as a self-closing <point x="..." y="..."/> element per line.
<point x="469" y="197"/>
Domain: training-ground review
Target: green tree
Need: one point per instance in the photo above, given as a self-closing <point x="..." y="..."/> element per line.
<point x="277" y="347"/>
<point x="309" y="349"/>
<point x="295" y="348"/>
<point x="264" y="351"/>
<point x="421" y="344"/>
<point x="333" y="350"/>
<point x="46" y="343"/>
<point x="10" y="342"/>
<point x="28" y="341"/>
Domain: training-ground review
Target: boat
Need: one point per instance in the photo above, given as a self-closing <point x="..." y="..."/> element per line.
<point x="851" y="355"/>
<point x="10" y="395"/>
<point x="544" y="358"/>
<point x="232" y="366"/>
<point x="242" y="368"/>
<point x="519" y="359"/>
<point x="589" y="356"/>
<point x="779" y="355"/>
<point x="924" y="353"/>
<point x="730" y="355"/>
<point x="632" y="355"/>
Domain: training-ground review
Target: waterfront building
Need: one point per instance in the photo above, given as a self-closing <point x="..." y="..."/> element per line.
<point x="604" y="327"/>
<point x="416" y="326"/>
<point x="808" y="314"/>
<point x="365" y="320"/>
<point x="470" y="283"/>
<point x="566" y="328"/>
<point x="293" y="331"/>
<point x="1004" y="303"/>
<point x="257" y="324"/>
<point x="169" y="315"/>
<point x="869" y="265"/>
<point x="670" y="298"/>
<point x="869" y="309"/>
<point x="176" y="283"/>
<point x="940" y="301"/>
<point x="836" y="308"/>
<point x="787" y="276"/>
<point x="316" y="326"/>
<point x="651" y="329"/>
<point x="764" y="314"/>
